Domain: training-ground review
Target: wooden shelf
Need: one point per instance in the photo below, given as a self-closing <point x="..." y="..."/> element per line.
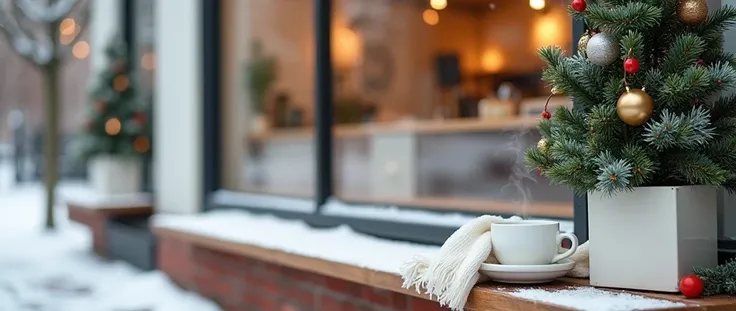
<point x="486" y="297"/>
<point x="469" y="125"/>
<point x="400" y="127"/>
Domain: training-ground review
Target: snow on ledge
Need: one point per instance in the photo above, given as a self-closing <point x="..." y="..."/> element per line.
<point x="265" y="201"/>
<point x="340" y="244"/>
<point x="591" y="299"/>
<point x="335" y="207"/>
<point x="346" y="246"/>
<point x="101" y="201"/>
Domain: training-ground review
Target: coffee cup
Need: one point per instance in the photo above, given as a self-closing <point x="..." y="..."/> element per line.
<point x="530" y="242"/>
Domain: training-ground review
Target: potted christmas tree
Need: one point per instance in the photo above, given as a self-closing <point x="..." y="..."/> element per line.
<point x="117" y="130"/>
<point x="649" y="140"/>
<point x="260" y="75"/>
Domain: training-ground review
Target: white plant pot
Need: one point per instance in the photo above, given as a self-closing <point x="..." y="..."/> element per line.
<point x="650" y="238"/>
<point x="115" y="174"/>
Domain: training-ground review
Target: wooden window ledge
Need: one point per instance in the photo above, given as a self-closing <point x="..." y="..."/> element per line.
<point x="488" y="296"/>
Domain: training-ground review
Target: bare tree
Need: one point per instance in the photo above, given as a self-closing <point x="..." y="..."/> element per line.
<point x="40" y="32"/>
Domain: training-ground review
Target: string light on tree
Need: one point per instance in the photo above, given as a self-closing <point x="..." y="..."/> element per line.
<point x="113" y="126"/>
<point x="120" y="83"/>
<point x="141" y="144"/>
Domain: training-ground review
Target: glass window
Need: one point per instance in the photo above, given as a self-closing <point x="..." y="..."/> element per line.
<point x="436" y="101"/>
<point x="268" y="97"/>
<point x="144" y="59"/>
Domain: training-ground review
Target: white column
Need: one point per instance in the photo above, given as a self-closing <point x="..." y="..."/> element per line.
<point x="104" y="25"/>
<point x="178" y="107"/>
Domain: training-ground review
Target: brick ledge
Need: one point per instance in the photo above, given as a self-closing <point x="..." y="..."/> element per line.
<point x="355" y="274"/>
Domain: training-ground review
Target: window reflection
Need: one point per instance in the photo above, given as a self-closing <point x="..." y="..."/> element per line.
<point x="434" y="101"/>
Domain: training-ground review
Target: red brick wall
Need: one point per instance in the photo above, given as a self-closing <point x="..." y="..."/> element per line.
<point x="96" y="222"/>
<point x="243" y="284"/>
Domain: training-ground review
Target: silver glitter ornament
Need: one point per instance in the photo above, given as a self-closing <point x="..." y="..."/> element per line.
<point x="602" y="49"/>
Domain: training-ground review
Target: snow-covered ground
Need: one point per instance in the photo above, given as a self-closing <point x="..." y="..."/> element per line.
<point x="57" y="272"/>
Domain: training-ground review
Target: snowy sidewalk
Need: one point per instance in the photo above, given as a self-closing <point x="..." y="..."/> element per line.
<point x="58" y="272"/>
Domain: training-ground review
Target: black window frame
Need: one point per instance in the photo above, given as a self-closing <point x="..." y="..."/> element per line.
<point x="211" y="37"/>
<point x="128" y="22"/>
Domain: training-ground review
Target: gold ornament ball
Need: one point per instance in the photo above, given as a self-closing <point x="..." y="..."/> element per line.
<point x="583" y="43"/>
<point x="635" y="107"/>
<point x="692" y="12"/>
<point x="542" y="145"/>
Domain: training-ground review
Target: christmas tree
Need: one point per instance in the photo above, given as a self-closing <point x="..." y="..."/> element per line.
<point x="646" y="83"/>
<point x="118" y="118"/>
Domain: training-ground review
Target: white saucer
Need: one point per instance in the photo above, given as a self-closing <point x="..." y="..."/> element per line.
<point x="530" y="274"/>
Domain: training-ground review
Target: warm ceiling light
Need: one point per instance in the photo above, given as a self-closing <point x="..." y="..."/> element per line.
<point x="68" y="27"/>
<point x="438" y="4"/>
<point x="537" y="4"/>
<point x="431" y="17"/>
<point x="80" y="49"/>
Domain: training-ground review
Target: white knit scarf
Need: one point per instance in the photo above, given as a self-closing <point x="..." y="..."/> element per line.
<point x="451" y="274"/>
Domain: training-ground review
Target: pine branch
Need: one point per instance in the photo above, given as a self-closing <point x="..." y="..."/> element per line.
<point x="613" y="174"/>
<point x="720" y="280"/>
<point x="724" y="107"/>
<point x="643" y="166"/>
<point x="693" y="84"/>
<point x="684" y="52"/>
<point x="686" y="131"/>
<point x="620" y="18"/>
<point x="696" y="169"/>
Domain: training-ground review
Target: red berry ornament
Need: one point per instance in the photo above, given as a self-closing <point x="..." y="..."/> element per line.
<point x="700" y="62"/>
<point x="546" y="114"/>
<point x="579" y="5"/>
<point x="631" y="65"/>
<point x="691" y="286"/>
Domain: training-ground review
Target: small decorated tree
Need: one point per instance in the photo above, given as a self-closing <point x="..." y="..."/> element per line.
<point x="260" y="75"/>
<point x="649" y="139"/>
<point x="117" y="131"/>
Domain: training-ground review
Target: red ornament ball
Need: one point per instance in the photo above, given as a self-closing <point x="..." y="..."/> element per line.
<point x="546" y="115"/>
<point x="691" y="286"/>
<point x="579" y="5"/>
<point x="631" y="65"/>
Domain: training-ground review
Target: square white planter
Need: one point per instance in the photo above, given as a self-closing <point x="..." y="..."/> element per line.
<point x="115" y="174"/>
<point x="648" y="239"/>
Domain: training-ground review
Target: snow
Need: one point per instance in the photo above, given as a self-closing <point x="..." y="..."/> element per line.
<point x="346" y="246"/>
<point x="225" y="197"/>
<point x="591" y="299"/>
<point x="89" y="199"/>
<point x="340" y="244"/>
<point x="57" y="271"/>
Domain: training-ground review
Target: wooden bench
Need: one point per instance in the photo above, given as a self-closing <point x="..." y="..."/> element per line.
<point x="95" y="213"/>
<point x="201" y="263"/>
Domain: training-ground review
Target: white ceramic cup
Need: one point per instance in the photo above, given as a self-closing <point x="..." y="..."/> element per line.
<point x="530" y="242"/>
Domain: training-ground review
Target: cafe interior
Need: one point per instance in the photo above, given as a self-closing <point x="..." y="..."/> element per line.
<point x="435" y="102"/>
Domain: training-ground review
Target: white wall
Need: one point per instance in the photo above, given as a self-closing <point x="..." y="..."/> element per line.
<point x="178" y="107"/>
<point x="105" y="23"/>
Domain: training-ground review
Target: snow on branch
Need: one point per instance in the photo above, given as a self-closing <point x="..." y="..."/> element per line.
<point x="37" y="12"/>
<point x="36" y="51"/>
